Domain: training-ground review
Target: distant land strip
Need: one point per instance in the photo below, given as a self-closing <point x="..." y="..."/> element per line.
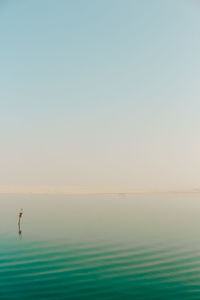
<point x="80" y="190"/>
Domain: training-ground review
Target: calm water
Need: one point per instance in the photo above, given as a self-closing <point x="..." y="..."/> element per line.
<point x="100" y="247"/>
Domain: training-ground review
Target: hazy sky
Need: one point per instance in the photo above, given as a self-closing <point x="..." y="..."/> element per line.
<point x="100" y="93"/>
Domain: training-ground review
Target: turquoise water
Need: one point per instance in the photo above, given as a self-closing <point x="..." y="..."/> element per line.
<point x="100" y="247"/>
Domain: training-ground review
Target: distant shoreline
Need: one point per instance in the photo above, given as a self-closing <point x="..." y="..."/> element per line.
<point x="62" y="190"/>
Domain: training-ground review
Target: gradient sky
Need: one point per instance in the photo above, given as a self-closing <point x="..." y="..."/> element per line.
<point x="100" y="93"/>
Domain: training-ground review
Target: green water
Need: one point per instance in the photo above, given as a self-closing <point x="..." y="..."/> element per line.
<point x="100" y="247"/>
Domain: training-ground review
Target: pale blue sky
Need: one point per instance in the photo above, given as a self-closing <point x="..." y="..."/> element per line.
<point x="100" y="93"/>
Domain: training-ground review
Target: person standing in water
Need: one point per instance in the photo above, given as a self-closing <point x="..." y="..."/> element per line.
<point x="20" y="216"/>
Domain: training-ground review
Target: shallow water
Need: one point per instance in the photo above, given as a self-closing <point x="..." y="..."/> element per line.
<point x="100" y="247"/>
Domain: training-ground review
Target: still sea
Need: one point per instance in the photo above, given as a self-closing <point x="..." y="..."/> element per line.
<point x="100" y="247"/>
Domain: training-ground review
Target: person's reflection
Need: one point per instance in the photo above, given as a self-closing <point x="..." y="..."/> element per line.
<point x="19" y="230"/>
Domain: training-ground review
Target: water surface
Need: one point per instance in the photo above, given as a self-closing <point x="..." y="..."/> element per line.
<point x="100" y="247"/>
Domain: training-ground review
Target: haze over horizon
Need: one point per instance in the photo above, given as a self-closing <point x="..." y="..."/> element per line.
<point x="100" y="95"/>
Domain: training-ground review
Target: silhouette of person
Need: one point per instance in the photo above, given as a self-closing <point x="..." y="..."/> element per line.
<point x="20" y="216"/>
<point x="19" y="223"/>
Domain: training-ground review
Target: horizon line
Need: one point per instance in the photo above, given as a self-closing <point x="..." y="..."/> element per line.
<point x="82" y="190"/>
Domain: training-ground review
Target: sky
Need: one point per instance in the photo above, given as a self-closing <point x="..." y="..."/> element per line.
<point x="100" y="94"/>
